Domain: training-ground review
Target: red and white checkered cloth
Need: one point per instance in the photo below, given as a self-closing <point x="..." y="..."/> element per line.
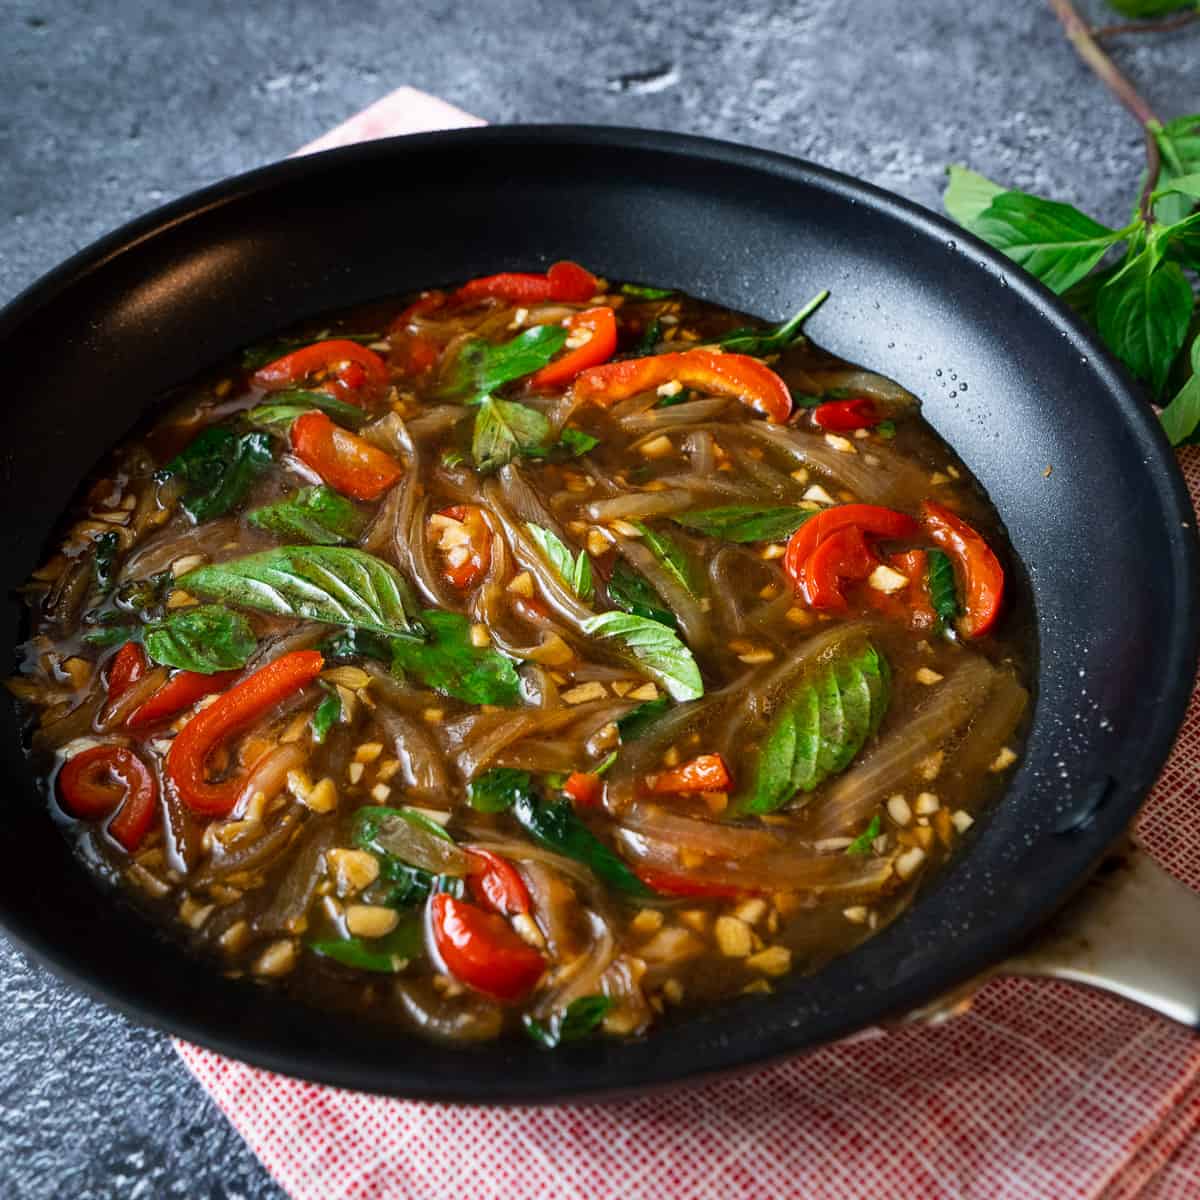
<point x="1040" y="1090"/>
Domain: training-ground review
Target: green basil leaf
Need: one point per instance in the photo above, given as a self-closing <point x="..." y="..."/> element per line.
<point x="1179" y="147"/>
<point x="968" y="194"/>
<point x="285" y="407"/>
<point x="671" y="558"/>
<point x="745" y="523"/>
<point x="581" y="1019"/>
<point x="504" y="429"/>
<point x="104" y="560"/>
<point x="648" y="343"/>
<point x="943" y="591"/>
<point x="1181" y="417"/>
<point x="313" y="514"/>
<point x="483" y="367"/>
<point x="146" y="596"/>
<point x="559" y="828"/>
<point x="218" y="468"/>
<point x="576" y="442"/>
<point x="886" y="429"/>
<point x="863" y="844"/>
<point x="385" y="955"/>
<point x="358" y="643"/>
<point x="762" y="342"/>
<point x="635" y="722"/>
<point x="497" y="790"/>
<point x="452" y="664"/>
<point x="1053" y="241"/>
<point x="259" y="355"/>
<point x="656" y="648"/>
<point x="335" y="584"/>
<point x="575" y="570"/>
<point x="816" y="731"/>
<point x="328" y="713"/>
<point x="631" y="592"/>
<point x="105" y="634"/>
<point x="640" y="292"/>
<point x="206" y="638"/>
<point x="1143" y="315"/>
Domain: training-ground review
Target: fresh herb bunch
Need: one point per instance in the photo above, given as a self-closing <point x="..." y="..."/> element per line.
<point x="1135" y="284"/>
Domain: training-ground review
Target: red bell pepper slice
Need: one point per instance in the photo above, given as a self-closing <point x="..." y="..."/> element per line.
<point x="706" y="773"/>
<point x="843" y="557"/>
<point x="181" y="691"/>
<point x="465" y="572"/>
<point x="842" y="416"/>
<point x="751" y="381"/>
<point x="981" y="577"/>
<point x="241" y="706"/>
<point x="127" y="667"/>
<point x="870" y="518"/>
<point x="667" y="884"/>
<point x="584" y="789"/>
<point x="495" y="884"/>
<point x="350" y="365"/>
<point x="601" y="323"/>
<point x="565" y="281"/>
<point x="342" y="459"/>
<point x="92" y="784"/>
<point x="481" y="950"/>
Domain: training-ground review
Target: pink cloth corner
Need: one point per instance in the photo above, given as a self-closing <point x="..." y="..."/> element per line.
<point x="406" y="110"/>
<point x="1039" y="1091"/>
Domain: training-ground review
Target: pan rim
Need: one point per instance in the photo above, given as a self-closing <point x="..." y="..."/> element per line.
<point x="615" y="1076"/>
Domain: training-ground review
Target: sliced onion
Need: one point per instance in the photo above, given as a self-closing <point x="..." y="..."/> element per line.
<point x="465" y="1018"/>
<point x="420" y="848"/>
<point x="423" y="763"/>
<point x="298" y="886"/>
<point x="677" y="414"/>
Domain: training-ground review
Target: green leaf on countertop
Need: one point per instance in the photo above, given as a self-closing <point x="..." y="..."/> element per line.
<point x="575" y="570"/>
<point x="277" y="416"/>
<point x="1179" y="148"/>
<point x="312" y="514"/>
<point x="338" y="585"/>
<point x="450" y="663"/>
<point x="217" y="468"/>
<point x="1143" y="315"/>
<point x="481" y="366"/>
<point x="505" y="429"/>
<point x="968" y="194"/>
<point x="816" y="731"/>
<point x="206" y="638"/>
<point x="1181" y="418"/>
<point x="631" y="592"/>
<point x="864" y="843"/>
<point x="581" y="1019"/>
<point x="656" y="649"/>
<point x="1053" y="241"/>
<point x="745" y="523"/>
<point x="762" y="342"/>
<point x="262" y="353"/>
<point x="385" y="955"/>
<point x="497" y="790"/>
<point x="327" y="715"/>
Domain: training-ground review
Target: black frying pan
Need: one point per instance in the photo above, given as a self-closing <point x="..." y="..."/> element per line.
<point x="1008" y="376"/>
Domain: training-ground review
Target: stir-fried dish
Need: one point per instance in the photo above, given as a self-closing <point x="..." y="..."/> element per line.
<point x="541" y="655"/>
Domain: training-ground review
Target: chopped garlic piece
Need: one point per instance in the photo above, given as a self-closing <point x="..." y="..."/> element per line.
<point x="657" y="447"/>
<point x="1003" y="760"/>
<point x="899" y="810"/>
<point x="909" y="863"/>
<point x="926" y="804"/>
<point x="840" y="444"/>
<point x="856" y="914"/>
<point x="585" y="692"/>
<point x="884" y="579"/>
<point x="774" y="960"/>
<point x="817" y="495"/>
<point x="371" y="920"/>
<point x="670" y="389"/>
<point x="962" y="821"/>
<point x="734" y="937"/>
<point x="927" y="677"/>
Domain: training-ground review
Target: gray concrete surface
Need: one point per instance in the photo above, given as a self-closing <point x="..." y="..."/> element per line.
<point x="109" y="109"/>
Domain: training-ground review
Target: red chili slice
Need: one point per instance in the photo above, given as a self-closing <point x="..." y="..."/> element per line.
<point x="565" y="281"/>
<point x="93" y="783"/>
<point x="842" y="416"/>
<point x="600" y="347"/>
<point x="706" y="773"/>
<point x="495" y="883"/>
<point x="351" y="368"/>
<point x="980" y="575"/>
<point x="342" y="459"/>
<point x="128" y="666"/>
<point x="481" y="950"/>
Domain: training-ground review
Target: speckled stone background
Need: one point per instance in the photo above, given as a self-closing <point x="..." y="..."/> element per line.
<point x="109" y="109"/>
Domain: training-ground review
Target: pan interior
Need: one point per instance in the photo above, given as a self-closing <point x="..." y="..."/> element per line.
<point x="1007" y="377"/>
